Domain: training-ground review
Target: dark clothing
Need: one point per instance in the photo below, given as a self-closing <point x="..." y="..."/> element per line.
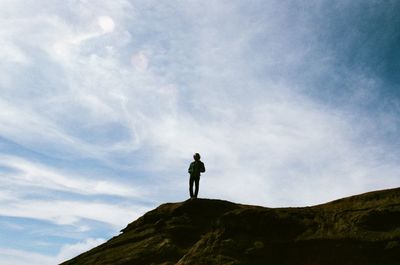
<point x="195" y="168"/>
<point x="196" y="181"/>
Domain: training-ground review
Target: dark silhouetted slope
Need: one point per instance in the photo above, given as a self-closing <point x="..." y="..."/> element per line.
<point x="362" y="229"/>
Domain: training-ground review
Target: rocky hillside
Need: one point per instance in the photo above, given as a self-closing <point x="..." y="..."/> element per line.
<point x="363" y="229"/>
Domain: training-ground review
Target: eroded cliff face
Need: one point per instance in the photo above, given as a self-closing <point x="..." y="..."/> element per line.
<point x="363" y="229"/>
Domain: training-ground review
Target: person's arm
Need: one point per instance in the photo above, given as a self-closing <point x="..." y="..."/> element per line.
<point x="203" y="169"/>
<point x="190" y="170"/>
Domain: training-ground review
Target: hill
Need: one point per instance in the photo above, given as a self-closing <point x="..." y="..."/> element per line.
<point x="362" y="229"/>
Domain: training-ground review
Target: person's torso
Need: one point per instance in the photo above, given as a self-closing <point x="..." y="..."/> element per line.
<point x="197" y="168"/>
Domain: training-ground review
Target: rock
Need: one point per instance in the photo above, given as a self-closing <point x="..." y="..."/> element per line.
<point x="362" y="229"/>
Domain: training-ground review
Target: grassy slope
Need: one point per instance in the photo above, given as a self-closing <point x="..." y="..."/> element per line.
<point x="362" y="229"/>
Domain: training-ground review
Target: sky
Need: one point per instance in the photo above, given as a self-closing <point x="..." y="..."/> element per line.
<point x="103" y="104"/>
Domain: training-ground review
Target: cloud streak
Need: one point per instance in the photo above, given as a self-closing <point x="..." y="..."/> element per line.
<point x="28" y="174"/>
<point x="17" y="257"/>
<point x="102" y="106"/>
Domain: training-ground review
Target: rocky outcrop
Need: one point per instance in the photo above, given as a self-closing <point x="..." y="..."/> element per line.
<point x="363" y="229"/>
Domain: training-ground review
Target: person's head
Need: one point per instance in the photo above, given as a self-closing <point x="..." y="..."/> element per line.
<point x="196" y="156"/>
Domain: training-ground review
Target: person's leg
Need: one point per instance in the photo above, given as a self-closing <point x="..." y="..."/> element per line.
<point x="191" y="180"/>
<point x="196" y="189"/>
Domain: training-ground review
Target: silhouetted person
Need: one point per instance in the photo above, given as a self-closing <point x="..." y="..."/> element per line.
<point x="195" y="168"/>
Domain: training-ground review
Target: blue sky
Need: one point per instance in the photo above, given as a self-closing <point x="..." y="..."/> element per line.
<point x="103" y="103"/>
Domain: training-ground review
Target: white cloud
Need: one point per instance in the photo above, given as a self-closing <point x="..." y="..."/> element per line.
<point x="19" y="257"/>
<point x="11" y="53"/>
<point x="170" y="81"/>
<point x="69" y="212"/>
<point x="209" y="100"/>
<point x="28" y="174"/>
<point x="276" y="156"/>
<point x="71" y="250"/>
<point x="140" y="61"/>
<point x="106" y="23"/>
<point x="23" y="179"/>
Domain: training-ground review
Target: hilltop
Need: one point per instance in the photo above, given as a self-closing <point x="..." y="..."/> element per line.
<point x="362" y="229"/>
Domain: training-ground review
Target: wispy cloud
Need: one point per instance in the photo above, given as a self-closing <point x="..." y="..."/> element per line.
<point x="24" y="173"/>
<point x="71" y="250"/>
<point x="70" y="212"/>
<point x="18" y="257"/>
<point x="268" y="92"/>
<point x="23" y="180"/>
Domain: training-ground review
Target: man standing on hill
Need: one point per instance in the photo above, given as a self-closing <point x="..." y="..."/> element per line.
<point x="195" y="168"/>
